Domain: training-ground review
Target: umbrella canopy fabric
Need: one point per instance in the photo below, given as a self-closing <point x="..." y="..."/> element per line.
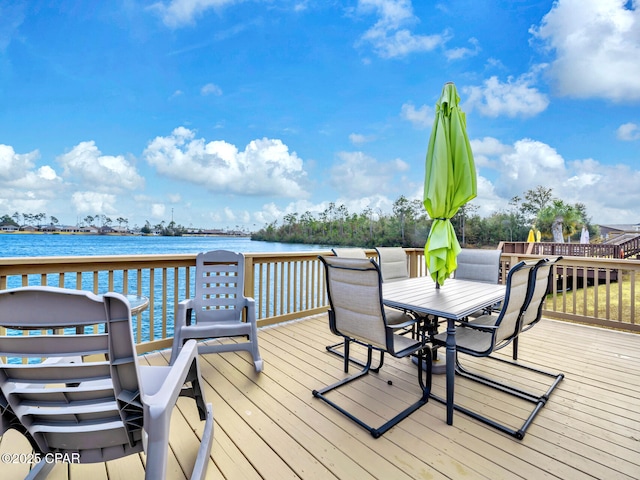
<point x="450" y="182"/>
<point x="532" y="236"/>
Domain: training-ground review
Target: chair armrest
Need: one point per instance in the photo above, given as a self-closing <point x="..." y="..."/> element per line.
<point x="185" y="308"/>
<point x="402" y="325"/>
<point x="477" y="326"/>
<point x="250" y="305"/>
<point x="174" y="377"/>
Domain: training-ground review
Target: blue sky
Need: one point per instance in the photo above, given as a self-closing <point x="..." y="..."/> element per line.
<point x="228" y="113"/>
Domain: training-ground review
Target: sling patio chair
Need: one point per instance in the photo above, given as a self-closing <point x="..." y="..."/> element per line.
<point x="479" y="265"/>
<point x="394" y="316"/>
<point x="218" y="307"/>
<point x="533" y="312"/>
<point x="354" y="287"/>
<point x="484" y="335"/>
<point x="393" y="263"/>
<point x="70" y="382"/>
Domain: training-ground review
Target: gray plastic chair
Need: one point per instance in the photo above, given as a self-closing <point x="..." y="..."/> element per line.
<point x="484" y="335"/>
<point x="354" y="287"/>
<point x="89" y="410"/>
<point x="218" y="305"/>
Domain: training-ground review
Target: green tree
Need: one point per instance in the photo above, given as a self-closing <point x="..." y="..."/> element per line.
<point x="402" y="210"/>
<point x="560" y="218"/>
<point x="535" y="200"/>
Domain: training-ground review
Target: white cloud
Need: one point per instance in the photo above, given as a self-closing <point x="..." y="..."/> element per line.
<point x="211" y="89"/>
<point x="516" y="97"/>
<point x="358" y="139"/>
<point x="597" y="48"/>
<point x="178" y="13"/>
<point x="104" y="173"/>
<point x="94" y="203"/>
<point x="628" y="132"/>
<point x="158" y="210"/>
<point x="358" y="175"/>
<point x="485" y="150"/>
<point x="528" y="163"/>
<point x="463" y="52"/>
<point x="19" y="176"/>
<point x="388" y="38"/>
<point x="265" y="167"/>
<point x="420" y="118"/>
<point x="15" y="165"/>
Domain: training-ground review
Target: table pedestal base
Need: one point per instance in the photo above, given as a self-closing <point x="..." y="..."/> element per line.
<point x="438" y="367"/>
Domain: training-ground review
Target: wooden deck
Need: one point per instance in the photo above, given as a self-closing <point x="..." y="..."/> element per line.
<point x="270" y="426"/>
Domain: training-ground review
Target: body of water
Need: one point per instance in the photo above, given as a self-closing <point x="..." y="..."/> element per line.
<point x="41" y="245"/>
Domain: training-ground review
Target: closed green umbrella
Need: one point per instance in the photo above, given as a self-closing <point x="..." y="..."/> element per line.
<point x="449" y="182"/>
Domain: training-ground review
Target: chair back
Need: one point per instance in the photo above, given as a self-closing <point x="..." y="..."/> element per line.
<point x="349" y="252"/>
<point x="219" y="293"/>
<point x="518" y="290"/>
<point x="393" y="263"/>
<point x="478" y="265"/>
<point x="542" y="280"/>
<point x="62" y="403"/>
<point x="355" y="297"/>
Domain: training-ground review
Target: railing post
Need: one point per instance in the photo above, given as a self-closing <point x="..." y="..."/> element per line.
<point x="413" y="263"/>
<point x="249" y="277"/>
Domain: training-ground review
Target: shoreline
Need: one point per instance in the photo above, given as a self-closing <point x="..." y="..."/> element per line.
<point x="120" y="234"/>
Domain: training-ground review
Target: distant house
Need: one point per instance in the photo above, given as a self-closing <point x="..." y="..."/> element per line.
<point x="609" y="231"/>
<point x="70" y="229"/>
<point x="28" y="228"/>
<point x="8" y="227"/>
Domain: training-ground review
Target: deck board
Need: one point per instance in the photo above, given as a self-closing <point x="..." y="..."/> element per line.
<point x="269" y="426"/>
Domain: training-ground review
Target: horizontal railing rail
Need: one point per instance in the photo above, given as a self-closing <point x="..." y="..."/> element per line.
<point x="291" y="285"/>
<point x="596" y="291"/>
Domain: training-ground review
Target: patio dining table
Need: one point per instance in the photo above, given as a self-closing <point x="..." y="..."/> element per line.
<point x="453" y="301"/>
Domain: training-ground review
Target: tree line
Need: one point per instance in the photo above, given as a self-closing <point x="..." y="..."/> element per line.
<point x="98" y="220"/>
<point x="408" y="224"/>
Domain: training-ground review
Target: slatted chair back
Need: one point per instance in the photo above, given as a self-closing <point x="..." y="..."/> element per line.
<point x="220" y="306"/>
<point x="393" y="263"/>
<point x="71" y="383"/>
<point x="90" y="409"/>
<point x="219" y="292"/>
